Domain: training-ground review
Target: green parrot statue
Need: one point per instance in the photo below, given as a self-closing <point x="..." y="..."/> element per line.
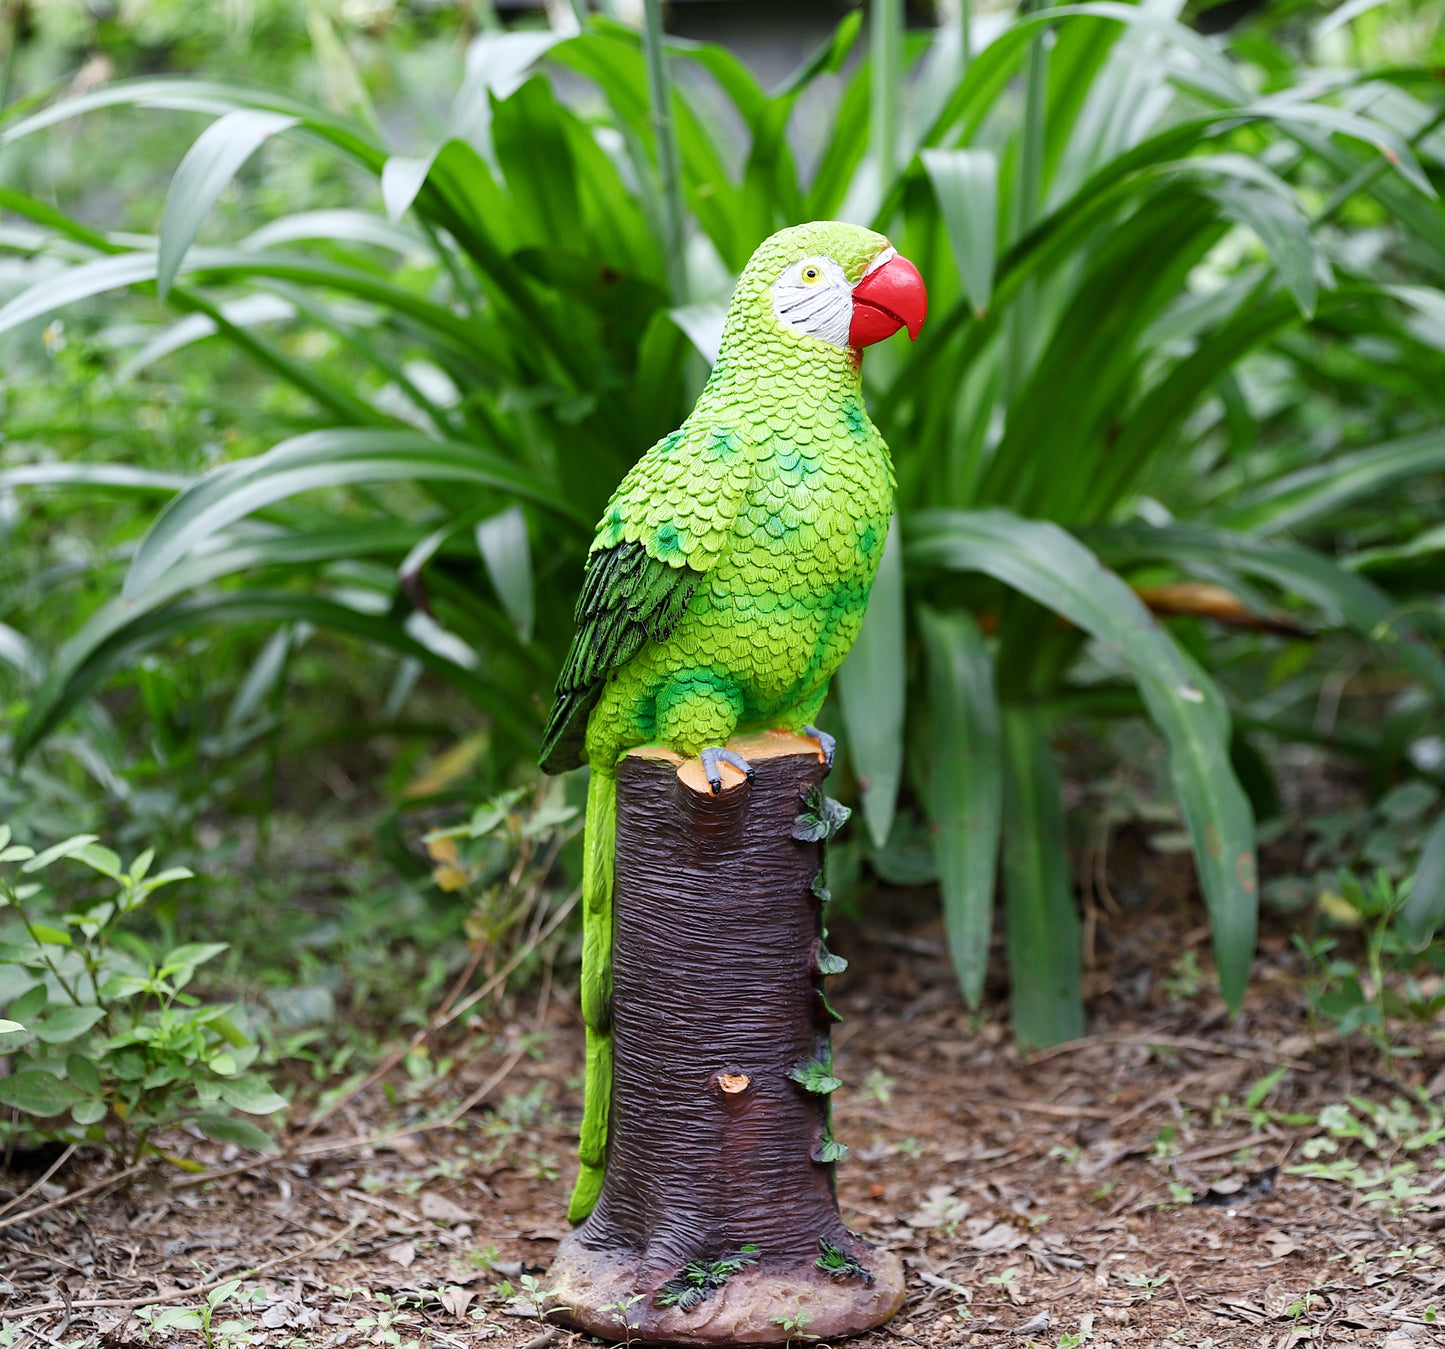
<point x="731" y="569"/>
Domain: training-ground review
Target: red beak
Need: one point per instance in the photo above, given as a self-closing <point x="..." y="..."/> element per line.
<point x="888" y="298"/>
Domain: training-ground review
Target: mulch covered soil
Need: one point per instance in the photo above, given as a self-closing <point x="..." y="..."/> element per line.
<point x="1135" y="1188"/>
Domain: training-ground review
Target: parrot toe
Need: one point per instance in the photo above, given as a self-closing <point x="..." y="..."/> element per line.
<point x="827" y="743"/>
<point x="712" y="756"/>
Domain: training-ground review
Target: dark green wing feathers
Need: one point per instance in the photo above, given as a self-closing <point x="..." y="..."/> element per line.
<point x="669" y="521"/>
<point x="628" y="598"/>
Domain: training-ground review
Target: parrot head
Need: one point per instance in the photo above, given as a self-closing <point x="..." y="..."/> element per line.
<point x="832" y="282"/>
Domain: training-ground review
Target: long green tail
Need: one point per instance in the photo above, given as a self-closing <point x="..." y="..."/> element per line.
<point x="598" y="844"/>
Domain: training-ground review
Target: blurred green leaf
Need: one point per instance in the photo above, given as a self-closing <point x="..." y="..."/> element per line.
<point x="966" y="185"/>
<point x="38" y="1093"/>
<point x="251" y="1095"/>
<point x="1425" y="908"/>
<point x="964" y="793"/>
<point x="66" y="1024"/>
<point x="872" y="685"/>
<point x="1055" y="570"/>
<point x="503" y="544"/>
<point x="204" y="174"/>
<point x="1044" y="948"/>
<point x="321" y="459"/>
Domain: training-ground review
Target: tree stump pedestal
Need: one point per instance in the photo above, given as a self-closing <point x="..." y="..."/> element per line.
<point x="718" y="1220"/>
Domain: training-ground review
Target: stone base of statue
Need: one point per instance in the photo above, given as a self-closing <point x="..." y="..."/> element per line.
<point x="718" y="1221"/>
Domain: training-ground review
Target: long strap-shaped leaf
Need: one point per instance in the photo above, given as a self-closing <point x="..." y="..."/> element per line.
<point x="1305" y="496"/>
<point x="323" y="459"/>
<point x="1044" y="947"/>
<point x="203" y="175"/>
<point x="1363" y="606"/>
<point x="1425" y="909"/>
<point x="1053" y="568"/>
<point x="964" y="786"/>
<point x="872" y="685"/>
<point x="70" y="682"/>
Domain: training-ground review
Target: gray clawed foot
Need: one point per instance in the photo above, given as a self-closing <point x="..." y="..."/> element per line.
<point x="712" y="756"/>
<point x="827" y="743"/>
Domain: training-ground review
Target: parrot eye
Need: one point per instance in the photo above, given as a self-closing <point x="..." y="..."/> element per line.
<point x="813" y="297"/>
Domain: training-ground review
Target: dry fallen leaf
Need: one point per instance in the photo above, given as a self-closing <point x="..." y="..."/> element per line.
<point x="456" y="1300"/>
<point x="939" y="1209"/>
<point x="1280" y="1245"/>
<point x="401" y="1254"/>
<point x="999" y="1237"/>
<point x="441" y="1209"/>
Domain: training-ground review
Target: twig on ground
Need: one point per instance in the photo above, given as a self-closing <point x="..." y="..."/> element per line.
<point x="547" y="1337"/>
<point x="293" y="1153"/>
<point x="1224" y="1149"/>
<point x="201" y="1177"/>
<point x="447" y="1012"/>
<point x="481" y="1092"/>
<point x="180" y="1294"/>
<point x="1165" y="1041"/>
<point x="1188" y="1306"/>
<point x="54" y="1167"/>
<point x="517" y="957"/>
<point x="43" y="1255"/>
<point x="73" y="1197"/>
<point x="381" y="1136"/>
<point x="1058" y="1111"/>
<point x="395" y="1210"/>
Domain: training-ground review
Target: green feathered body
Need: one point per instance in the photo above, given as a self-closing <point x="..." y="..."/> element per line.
<point x="727" y="581"/>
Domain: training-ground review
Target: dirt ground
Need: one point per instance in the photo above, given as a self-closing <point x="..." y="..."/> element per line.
<point x="1137" y="1187"/>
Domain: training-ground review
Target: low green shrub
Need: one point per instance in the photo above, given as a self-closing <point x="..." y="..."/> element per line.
<point x="104" y="1044"/>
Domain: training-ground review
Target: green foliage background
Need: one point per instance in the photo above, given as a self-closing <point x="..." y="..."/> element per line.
<point x="311" y="399"/>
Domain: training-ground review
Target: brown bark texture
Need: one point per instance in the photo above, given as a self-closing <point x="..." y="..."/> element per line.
<point x="719" y="1201"/>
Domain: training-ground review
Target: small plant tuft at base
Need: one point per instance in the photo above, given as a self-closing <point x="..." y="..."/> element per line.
<point x="700" y="1279"/>
<point x="836" y="1261"/>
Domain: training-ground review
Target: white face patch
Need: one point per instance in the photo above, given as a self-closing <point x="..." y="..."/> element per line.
<point x="814" y="297"/>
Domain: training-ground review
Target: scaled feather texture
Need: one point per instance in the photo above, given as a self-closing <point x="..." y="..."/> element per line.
<point x="729" y="574"/>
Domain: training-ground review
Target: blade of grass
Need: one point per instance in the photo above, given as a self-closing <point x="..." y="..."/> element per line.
<point x="1360" y="604"/>
<point x="61" y="693"/>
<point x="965" y="182"/>
<point x="1304" y="497"/>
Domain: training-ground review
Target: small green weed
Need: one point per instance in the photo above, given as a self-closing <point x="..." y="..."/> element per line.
<point x="1147" y="1284"/>
<point x="1382" y="1132"/>
<point x="622" y="1310"/>
<point x="1185" y="980"/>
<point x="879" y="1086"/>
<point x="100" y="1028"/>
<point x="794" y="1325"/>
<point x="816" y="1076"/>
<point x="203" y="1317"/>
